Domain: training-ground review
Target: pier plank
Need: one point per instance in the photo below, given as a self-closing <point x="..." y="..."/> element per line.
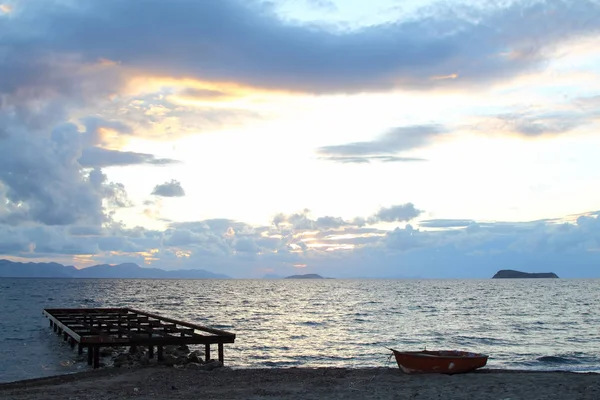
<point x="104" y="327"/>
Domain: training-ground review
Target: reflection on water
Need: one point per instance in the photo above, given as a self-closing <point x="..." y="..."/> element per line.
<point x="536" y="324"/>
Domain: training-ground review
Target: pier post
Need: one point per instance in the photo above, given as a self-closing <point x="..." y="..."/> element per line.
<point x="90" y="354"/>
<point x="96" y="357"/>
<point x="101" y="327"/>
<point x="150" y="348"/>
<point x="160" y="353"/>
<point x="221" y="356"/>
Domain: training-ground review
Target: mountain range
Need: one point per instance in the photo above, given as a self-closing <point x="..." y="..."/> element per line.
<point x="10" y="269"/>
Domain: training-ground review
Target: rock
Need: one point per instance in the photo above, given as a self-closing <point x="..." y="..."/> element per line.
<point x="169" y="360"/>
<point x="182" y="360"/>
<point x="195" y="356"/>
<point x="121" y="360"/>
<point x="123" y="357"/>
<point x="106" y="352"/>
<point x="193" y="365"/>
<point x="170" y="349"/>
<point x="184" y="348"/>
<point x="144" y="360"/>
<point x="212" y="364"/>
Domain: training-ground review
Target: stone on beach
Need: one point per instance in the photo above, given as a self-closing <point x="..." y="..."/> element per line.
<point x="172" y="356"/>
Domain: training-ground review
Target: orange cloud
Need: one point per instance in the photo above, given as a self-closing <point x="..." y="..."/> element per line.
<point x="107" y="63"/>
<point x="196" y="92"/>
<point x="443" y="77"/>
<point x="6" y="8"/>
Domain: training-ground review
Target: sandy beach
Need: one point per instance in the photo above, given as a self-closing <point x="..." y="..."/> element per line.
<point x="303" y="383"/>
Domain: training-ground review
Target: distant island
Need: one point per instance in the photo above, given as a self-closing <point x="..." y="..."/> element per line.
<point x="305" y="276"/>
<point x="512" y="274"/>
<point x="10" y="269"/>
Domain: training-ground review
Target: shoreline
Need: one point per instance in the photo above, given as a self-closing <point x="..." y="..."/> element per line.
<point x="303" y="383"/>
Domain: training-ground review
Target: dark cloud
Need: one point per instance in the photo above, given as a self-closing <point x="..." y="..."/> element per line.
<point x="43" y="181"/>
<point x="99" y="157"/>
<point x="397" y="213"/>
<point x="246" y="245"/>
<point x="369" y="159"/>
<point x="114" y="193"/>
<point x="169" y="189"/>
<point x="384" y="148"/>
<point x="94" y="124"/>
<point x="245" y="42"/>
<point x="322" y="5"/>
<point x="78" y="230"/>
<point x="203" y="94"/>
<point x="476" y="250"/>
<point x="542" y="124"/>
<point x="303" y="221"/>
<point x="330" y="222"/>
<point x="446" y="223"/>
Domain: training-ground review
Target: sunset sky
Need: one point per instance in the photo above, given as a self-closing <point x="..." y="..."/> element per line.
<point x="387" y="138"/>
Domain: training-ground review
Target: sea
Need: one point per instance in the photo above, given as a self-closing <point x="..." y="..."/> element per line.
<point x="533" y="324"/>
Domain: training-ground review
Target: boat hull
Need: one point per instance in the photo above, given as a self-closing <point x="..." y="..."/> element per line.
<point x="441" y="362"/>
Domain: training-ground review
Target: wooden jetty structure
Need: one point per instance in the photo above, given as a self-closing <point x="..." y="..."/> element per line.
<point x="94" y="328"/>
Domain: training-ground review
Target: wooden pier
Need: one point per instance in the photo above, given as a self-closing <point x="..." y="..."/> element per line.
<point x="94" y="328"/>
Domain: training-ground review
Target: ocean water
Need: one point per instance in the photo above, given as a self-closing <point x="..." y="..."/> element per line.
<point x="526" y="324"/>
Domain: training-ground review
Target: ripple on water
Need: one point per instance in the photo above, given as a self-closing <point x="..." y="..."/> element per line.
<point x="328" y="323"/>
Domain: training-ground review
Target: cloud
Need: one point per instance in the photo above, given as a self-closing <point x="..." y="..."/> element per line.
<point x="397" y="213"/>
<point x="369" y="159"/>
<point x="303" y="221"/>
<point x="337" y="249"/>
<point x="477" y="45"/>
<point x="446" y="223"/>
<point x="384" y="148"/>
<point x="532" y="125"/>
<point x="169" y="189"/>
<point x="322" y="5"/>
<point x="43" y="181"/>
<point x="99" y="157"/>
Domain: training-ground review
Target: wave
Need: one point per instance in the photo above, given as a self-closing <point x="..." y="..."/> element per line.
<point x="558" y="360"/>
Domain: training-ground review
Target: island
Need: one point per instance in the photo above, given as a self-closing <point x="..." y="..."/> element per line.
<point x="305" y="276"/>
<point x="10" y="269"/>
<point x="512" y="274"/>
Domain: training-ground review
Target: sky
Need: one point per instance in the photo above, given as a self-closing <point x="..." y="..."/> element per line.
<point x="389" y="138"/>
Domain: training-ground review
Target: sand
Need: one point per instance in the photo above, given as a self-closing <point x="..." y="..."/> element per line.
<point x="303" y="383"/>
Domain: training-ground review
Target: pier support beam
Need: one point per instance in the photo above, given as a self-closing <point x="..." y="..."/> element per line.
<point x="96" y="357"/>
<point x="207" y="351"/>
<point x="160" y="356"/>
<point x="221" y="356"/>
<point x="93" y="328"/>
<point x="90" y="355"/>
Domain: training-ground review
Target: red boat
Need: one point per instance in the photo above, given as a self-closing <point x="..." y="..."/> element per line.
<point x="441" y="362"/>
